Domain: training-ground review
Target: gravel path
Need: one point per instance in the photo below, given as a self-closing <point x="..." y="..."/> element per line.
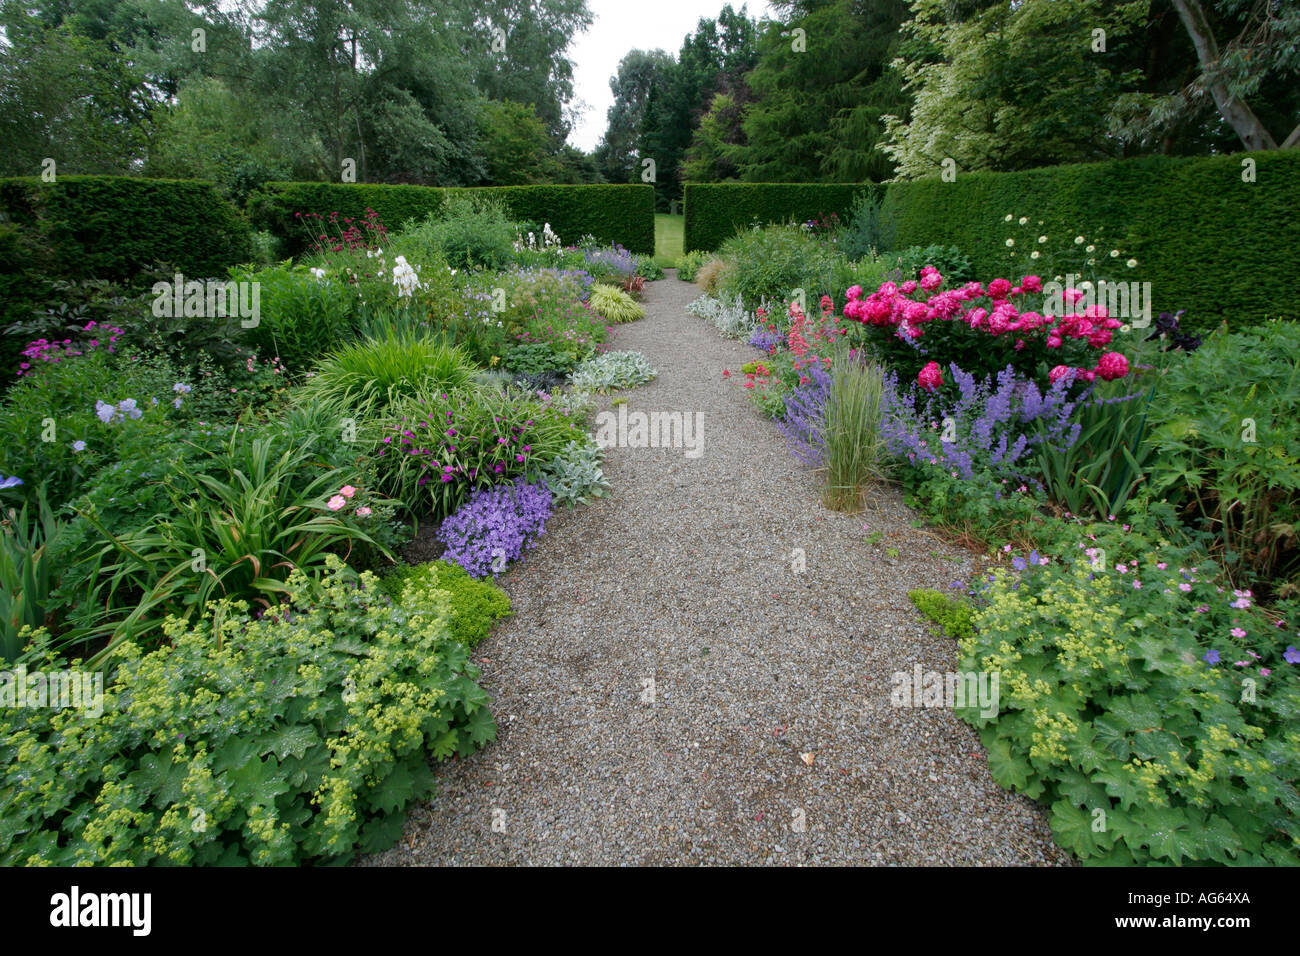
<point x="771" y="738"/>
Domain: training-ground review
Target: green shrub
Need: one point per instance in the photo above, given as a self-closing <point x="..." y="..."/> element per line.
<point x="608" y="212"/>
<point x="538" y="358"/>
<point x="953" y="616"/>
<point x="112" y="227"/>
<point x="1227" y="446"/>
<point x="300" y="315"/>
<point x="648" y="268"/>
<point x="908" y="263"/>
<point x="474" y="604"/>
<point x="468" y="232"/>
<point x="689" y="264"/>
<point x="1126" y="704"/>
<point x="615" y="304"/>
<point x="362" y="379"/>
<point x="867" y="232"/>
<point x="770" y="264"/>
<point x="299" y="736"/>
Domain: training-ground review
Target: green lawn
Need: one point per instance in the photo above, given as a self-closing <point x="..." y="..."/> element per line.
<point x="669" y="235"/>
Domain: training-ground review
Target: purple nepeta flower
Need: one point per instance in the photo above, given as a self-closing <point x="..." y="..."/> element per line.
<point x="1291" y="656"/>
<point x="765" y="340"/>
<point x="805" y="408"/>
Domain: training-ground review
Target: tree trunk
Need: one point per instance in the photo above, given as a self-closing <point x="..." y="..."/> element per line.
<point x="1232" y="108"/>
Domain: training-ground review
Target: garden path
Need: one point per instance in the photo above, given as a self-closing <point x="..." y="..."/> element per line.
<point x="770" y="736"/>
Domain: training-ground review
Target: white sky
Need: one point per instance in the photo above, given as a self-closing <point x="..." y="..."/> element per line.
<point x="620" y="26"/>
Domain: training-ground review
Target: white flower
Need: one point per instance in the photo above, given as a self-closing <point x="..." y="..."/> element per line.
<point x="1042" y="238"/>
<point x="1114" y="253"/>
<point x="1010" y="243"/>
<point x="1078" y="240"/>
<point x="319" y="274"/>
<point x="1022" y="220"/>
<point x="1090" y="248"/>
<point x="1035" y="254"/>
<point x="1132" y="263"/>
<point x="1009" y="218"/>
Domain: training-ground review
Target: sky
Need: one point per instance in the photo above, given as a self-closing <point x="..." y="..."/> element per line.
<point x="618" y="27"/>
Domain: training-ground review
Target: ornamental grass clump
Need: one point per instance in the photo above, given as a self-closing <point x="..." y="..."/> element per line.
<point x="496" y="526"/>
<point x="854" y="443"/>
<point x="615" y="304"/>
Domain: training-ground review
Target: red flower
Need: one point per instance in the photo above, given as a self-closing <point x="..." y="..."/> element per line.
<point x="930" y="377"/>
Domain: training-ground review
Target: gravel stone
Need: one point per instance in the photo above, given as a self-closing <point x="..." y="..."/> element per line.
<point x="770" y="738"/>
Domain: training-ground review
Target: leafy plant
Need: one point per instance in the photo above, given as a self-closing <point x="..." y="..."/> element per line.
<point x="1135" y="692"/>
<point x="614" y="304"/>
<point x="1228" y="446"/>
<point x="299" y="314"/>
<point x="474" y="604"/>
<point x="689" y="265"/>
<point x="732" y="319"/>
<point x="574" y="475"/>
<point x="236" y="527"/>
<point x="27" y="572"/>
<point x="340" y="700"/>
<point x="362" y="379"/>
<point x="612" y="370"/>
<point x="868" y="231"/>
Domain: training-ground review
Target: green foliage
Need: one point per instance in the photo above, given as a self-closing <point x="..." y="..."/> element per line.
<point x="1227" y="446"/>
<point x="575" y="475"/>
<point x="538" y="358"/>
<point x="1110" y="711"/>
<point x="615" y="304"/>
<point x="866" y="231"/>
<point x="855" y="447"/>
<point x="611" y="213"/>
<point x="689" y="264"/>
<point x="299" y="736"/>
<point x="362" y="379"/>
<point x="111" y="227"/>
<point x="26" y="572"/>
<point x="235" y="527"/>
<point x="769" y="264"/>
<point x="1099" y="472"/>
<point x="474" y="604"/>
<point x="489" y="429"/>
<point x="954" y="617"/>
<point x="468" y="232"/>
<point x="300" y="315"/>
<point x="648" y="269"/>
<point x="612" y="371"/>
<point x="908" y="263"/>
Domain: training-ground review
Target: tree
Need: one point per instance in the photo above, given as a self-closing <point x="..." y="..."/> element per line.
<point x="515" y="145"/>
<point x="712" y="153"/>
<point x="1250" y="81"/>
<point x="1011" y="86"/>
<point x="819" y="95"/>
<point x="638" y="73"/>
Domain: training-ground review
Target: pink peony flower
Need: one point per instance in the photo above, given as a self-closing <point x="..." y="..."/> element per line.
<point x="930" y="377"/>
<point x="999" y="288"/>
<point x="1058" y="372"/>
<point x="1112" y="365"/>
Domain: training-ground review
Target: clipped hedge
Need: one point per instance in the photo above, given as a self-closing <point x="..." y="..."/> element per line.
<point x="714" y="211"/>
<point x="111" y="227"/>
<point x="1209" y="243"/>
<point x="611" y="213"/>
